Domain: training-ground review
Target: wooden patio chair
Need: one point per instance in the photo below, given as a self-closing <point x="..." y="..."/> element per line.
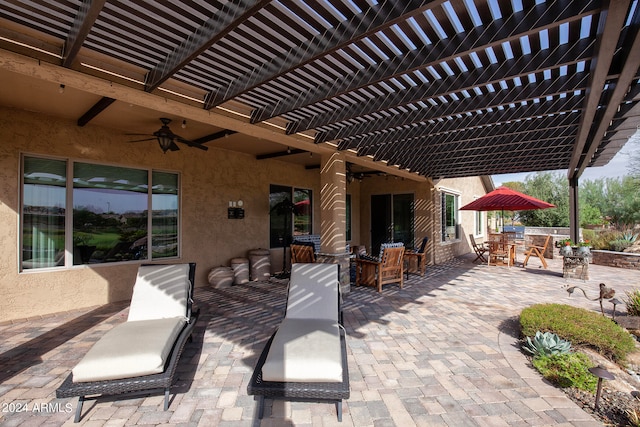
<point x="499" y="251"/>
<point x="302" y="252"/>
<point x="480" y="250"/>
<point x="388" y="269"/>
<point x="537" y="251"/>
<point x="420" y="257"/>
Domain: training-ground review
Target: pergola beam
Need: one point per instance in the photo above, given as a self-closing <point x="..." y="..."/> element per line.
<point x="611" y="21"/>
<point x="370" y="21"/>
<point x="526" y="92"/>
<point x="82" y="24"/>
<point x="548" y="15"/>
<point x="214" y="29"/>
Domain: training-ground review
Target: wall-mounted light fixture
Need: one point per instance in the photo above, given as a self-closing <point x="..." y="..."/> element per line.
<point x="235" y="210"/>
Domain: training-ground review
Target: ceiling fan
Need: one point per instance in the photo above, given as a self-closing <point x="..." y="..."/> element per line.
<point x="351" y="175"/>
<point x="167" y="139"/>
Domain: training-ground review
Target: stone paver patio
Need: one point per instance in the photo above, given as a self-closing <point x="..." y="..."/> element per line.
<point x="439" y="352"/>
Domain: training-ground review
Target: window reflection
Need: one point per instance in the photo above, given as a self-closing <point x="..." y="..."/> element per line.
<point x="110" y="215"/>
<point x="110" y="206"/>
<point x="43" y="213"/>
<point x="164" y="233"/>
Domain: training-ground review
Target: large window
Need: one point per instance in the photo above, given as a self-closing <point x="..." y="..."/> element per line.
<point x="290" y="214"/>
<point x="109" y="221"/>
<point x="449" y="217"/>
<point x="479" y="224"/>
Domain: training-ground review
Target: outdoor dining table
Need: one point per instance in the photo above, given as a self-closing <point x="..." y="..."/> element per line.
<point x="505" y="242"/>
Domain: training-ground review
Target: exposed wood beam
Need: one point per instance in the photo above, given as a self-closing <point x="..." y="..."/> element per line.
<point x="496" y="118"/>
<point x="370" y="21"/>
<point x="611" y="21"/>
<point x="213" y="30"/>
<point x="511" y="28"/>
<point x="214" y="136"/>
<point x="628" y="73"/>
<point x="97" y="108"/>
<point x="567" y="55"/>
<point x="49" y="72"/>
<point x="87" y="15"/>
<point x="526" y="92"/>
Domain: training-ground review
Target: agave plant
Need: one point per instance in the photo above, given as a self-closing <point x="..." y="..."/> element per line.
<point x="546" y="344"/>
<point x="630" y="236"/>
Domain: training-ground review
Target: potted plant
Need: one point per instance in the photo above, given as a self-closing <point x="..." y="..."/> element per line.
<point x="566" y="247"/>
<point x="584" y="248"/>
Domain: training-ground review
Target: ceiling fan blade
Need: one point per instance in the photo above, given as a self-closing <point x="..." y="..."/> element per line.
<point x="174" y="147"/>
<point x="146" y="139"/>
<point x="190" y="143"/>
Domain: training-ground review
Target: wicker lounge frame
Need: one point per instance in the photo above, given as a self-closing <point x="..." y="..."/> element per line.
<point x="145" y="384"/>
<point x="317" y="392"/>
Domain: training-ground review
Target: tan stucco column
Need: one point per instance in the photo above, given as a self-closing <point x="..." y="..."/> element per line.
<point x="333" y="214"/>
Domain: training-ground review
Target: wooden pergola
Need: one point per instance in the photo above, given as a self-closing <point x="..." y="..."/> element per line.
<point x="433" y="88"/>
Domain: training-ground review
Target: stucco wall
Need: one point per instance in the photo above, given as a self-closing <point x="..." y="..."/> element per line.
<point x="468" y="190"/>
<point x="391" y="185"/>
<point x="209" y="180"/>
<point x="427" y="211"/>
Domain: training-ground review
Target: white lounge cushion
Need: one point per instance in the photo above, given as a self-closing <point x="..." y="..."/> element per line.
<point x="313" y="292"/>
<point x="160" y="291"/>
<point x="305" y="350"/>
<point x="129" y="350"/>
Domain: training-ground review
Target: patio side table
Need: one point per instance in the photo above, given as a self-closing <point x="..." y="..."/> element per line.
<point x="575" y="266"/>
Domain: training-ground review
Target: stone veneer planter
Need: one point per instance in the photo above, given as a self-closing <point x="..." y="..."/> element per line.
<point x="626" y="260"/>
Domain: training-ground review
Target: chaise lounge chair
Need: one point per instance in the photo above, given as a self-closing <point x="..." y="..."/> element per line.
<point x="306" y="358"/>
<point x="141" y="354"/>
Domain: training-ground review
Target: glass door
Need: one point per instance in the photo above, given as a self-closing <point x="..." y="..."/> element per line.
<point x="392" y="220"/>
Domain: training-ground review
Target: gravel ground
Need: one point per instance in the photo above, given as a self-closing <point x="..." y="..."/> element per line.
<point x="613" y="406"/>
<point x="616" y="399"/>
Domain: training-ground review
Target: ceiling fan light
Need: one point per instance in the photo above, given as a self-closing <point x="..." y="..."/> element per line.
<point x="165" y="142"/>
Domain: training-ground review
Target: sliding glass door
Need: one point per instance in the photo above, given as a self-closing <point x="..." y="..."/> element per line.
<point x="392" y="220"/>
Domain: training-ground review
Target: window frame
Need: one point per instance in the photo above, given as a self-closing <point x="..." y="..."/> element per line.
<point x="69" y="213"/>
<point x="290" y="191"/>
<point x="443" y="215"/>
<point x="479" y="222"/>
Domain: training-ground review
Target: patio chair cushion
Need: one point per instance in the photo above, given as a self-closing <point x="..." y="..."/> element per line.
<point x="160" y="291"/>
<point x="305" y="350"/>
<point x="313" y="292"/>
<point x="114" y="356"/>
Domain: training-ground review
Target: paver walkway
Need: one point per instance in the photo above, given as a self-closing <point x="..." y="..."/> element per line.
<point x="440" y="352"/>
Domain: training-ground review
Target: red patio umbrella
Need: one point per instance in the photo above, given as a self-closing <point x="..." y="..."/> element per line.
<point x="506" y="199"/>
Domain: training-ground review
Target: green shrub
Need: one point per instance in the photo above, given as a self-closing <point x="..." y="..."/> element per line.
<point x="568" y="370"/>
<point x="580" y="327"/>
<point x="601" y="239"/>
<point x="632" y="301"/>
<point x="546" y="344"/>
<point x="619" y="245"/>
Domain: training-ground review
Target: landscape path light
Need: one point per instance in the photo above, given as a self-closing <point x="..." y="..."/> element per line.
<point x="602" y="374"/>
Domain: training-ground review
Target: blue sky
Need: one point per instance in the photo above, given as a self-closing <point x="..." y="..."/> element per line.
<point x="616" y="168"/>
